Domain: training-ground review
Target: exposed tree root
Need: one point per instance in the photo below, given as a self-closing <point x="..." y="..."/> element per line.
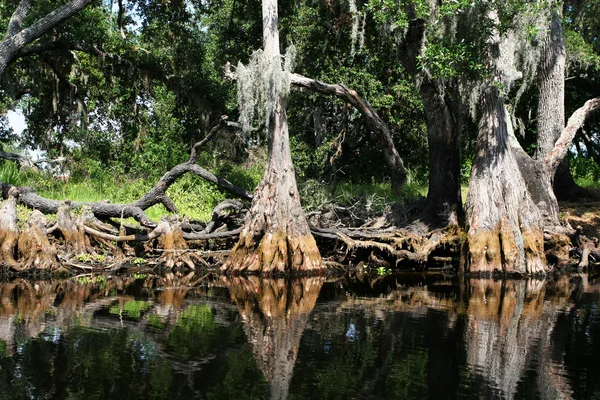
<point x="156" y="195"/>
<point x="72" y="231"/>
<point x="174" y="245"/>
<point x="34" y="249"/>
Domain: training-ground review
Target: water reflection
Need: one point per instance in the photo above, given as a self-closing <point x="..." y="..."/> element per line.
<point x="275" y="313"/>
<point x="304" y="339"/>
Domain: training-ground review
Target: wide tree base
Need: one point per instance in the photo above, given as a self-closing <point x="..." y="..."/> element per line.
<point x="488" y="252"/>
<point x="275" y="253"/>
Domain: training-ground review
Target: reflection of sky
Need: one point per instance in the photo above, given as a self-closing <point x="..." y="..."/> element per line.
<point x="352" y="332"/>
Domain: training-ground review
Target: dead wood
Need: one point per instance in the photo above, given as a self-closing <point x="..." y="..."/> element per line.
<point x="174" y="245"/>
<point x="74" y="240"/>
<point x="373" y="120"/>
<point x="34" y="249"/>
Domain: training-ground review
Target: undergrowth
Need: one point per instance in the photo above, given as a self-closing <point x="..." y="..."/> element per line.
<point x="193" y="196"/>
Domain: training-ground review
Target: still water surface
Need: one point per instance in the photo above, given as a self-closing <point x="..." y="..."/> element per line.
<point x="395" y="337"/>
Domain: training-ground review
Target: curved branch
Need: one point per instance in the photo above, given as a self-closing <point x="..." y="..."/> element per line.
<point x="207" y="138"/>
<point x="558" y="153"/>
<point x="16" y="20"/>
<point x="374" y="122"/>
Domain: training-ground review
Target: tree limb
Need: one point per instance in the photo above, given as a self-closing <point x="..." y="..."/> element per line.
<point x="16" y="20"/>
<point x="156" y="195"/>
<point x="374" y="122"/>
<point x="10" y="46"/>
<point x="207" y="138"/>
<point x="576" y="121"/>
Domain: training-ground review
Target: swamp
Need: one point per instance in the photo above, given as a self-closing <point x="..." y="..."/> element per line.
<point x="379" y="337"/>
<point x="299" y="199"/>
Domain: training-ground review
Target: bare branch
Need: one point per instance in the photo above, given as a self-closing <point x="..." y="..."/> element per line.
<point x="207" y="138"/>
<point x="120" y="19"/>
<point x="558" y="153"/>
<point x="374" y="122"/>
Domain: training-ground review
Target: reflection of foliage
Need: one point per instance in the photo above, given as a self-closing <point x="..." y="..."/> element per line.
<point x="243" y="379"/>
<point x="160" y="380"/>
<point x="195" y="333"/>
<point x="155" y="322"/>
<point x="408" y="375"/>
<point x="131" y="308"/>
<point x="3" y="351"/>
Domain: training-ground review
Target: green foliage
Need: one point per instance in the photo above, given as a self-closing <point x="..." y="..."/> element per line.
<point x="586" y="172"/>
<point x="195" y="332"/>
<point x="131" y="308"/>
<point x="3" y="349"/>
<point x="88" y="258"/>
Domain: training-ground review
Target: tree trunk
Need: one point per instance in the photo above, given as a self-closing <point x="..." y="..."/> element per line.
<point x="276" y="237"/>
<point x="442" y="110"/>
<point x="34" y="248"/>
<point x="551" y="108"/>
<point x="505" y="227"/>
<point x="444" y="200"/>
<point x="9" y="231"/>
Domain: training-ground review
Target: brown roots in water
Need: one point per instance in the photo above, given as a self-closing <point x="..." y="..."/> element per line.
<point x="275" y="253"/>
<point x="498" y="250"/>
<point x="34" y="249"/>
<point x="175" y="248"/>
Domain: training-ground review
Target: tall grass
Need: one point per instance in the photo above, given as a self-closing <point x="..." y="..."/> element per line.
<point x="9" y="173"/>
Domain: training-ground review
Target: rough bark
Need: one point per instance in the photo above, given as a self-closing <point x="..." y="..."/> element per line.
<point x="275" y="237"/>
<point x="174" y="245"/>
<point x="444" y="199"/>
<point x="551" y="108"/>
<point x="9" y="231"/>
<point x="17" y="38"/>
<point x="505" y="227"/>
<point x="72" y="231"/>
<point x="562" y="144"/>
<point x="374" y="122"/>
<point x="551" y="89"/>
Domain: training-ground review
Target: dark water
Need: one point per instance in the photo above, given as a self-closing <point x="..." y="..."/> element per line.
<point x="386" y="338"/>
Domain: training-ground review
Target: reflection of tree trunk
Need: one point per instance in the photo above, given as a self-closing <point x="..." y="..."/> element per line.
<point x="509" y="331"/>
<point x="275" y="313"/>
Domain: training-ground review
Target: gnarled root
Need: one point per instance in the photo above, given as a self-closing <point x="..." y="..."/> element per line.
<point x="9" y="231"/>
<point x="175" y="249"/>
<point x="75" y="240"/>
<point x="558" y="247"/>
<point x="34" y="248"/>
